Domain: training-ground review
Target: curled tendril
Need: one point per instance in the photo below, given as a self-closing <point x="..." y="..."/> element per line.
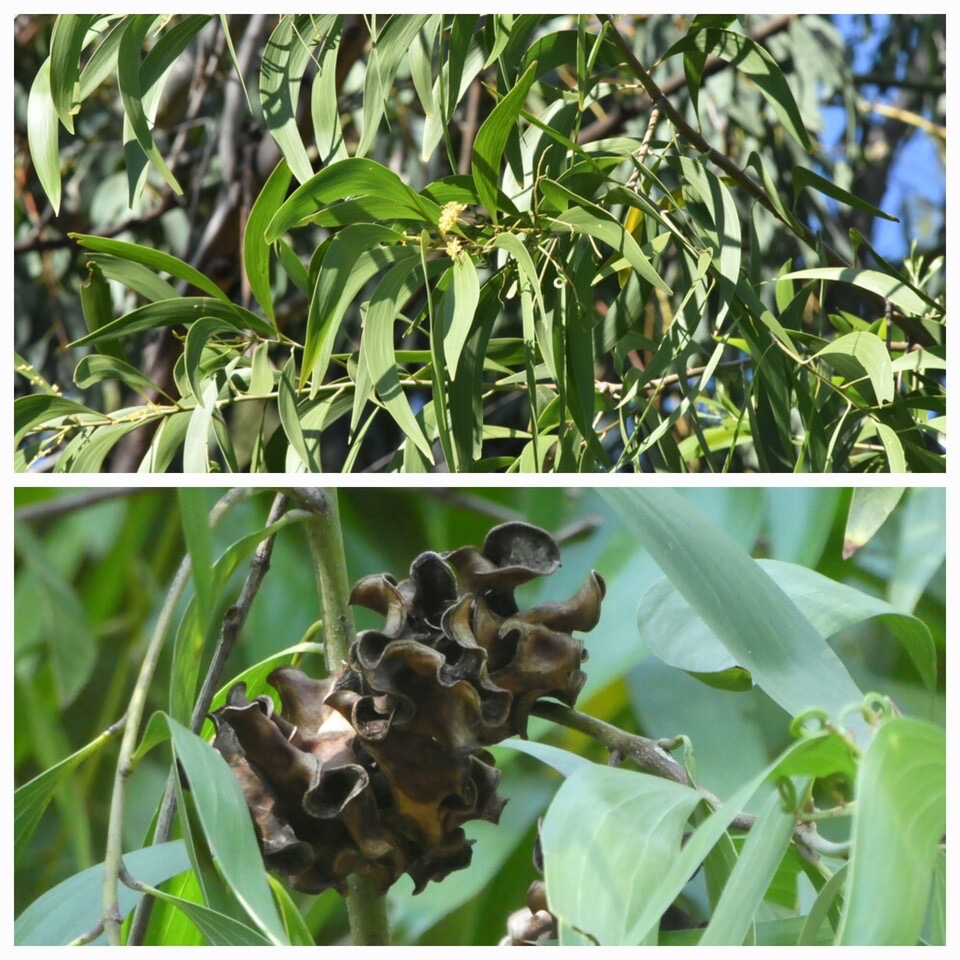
<point x="376" y="770"/>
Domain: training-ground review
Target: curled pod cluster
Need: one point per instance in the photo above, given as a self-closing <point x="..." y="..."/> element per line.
<point x="375" y="770"/>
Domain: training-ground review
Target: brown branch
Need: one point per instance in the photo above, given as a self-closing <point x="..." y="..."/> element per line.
<point x="637" y="106"/>
<point x="699" y="143"/>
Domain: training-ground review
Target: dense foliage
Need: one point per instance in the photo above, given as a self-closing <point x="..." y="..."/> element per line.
<point x="476" y="243"/>
<point x="788" y="652"/>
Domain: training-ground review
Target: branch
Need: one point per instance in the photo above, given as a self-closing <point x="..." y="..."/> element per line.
<point x="699" y="143"/>
<point x="367" y="911"/>
<point x="236" y="617"/>
<point x="113" y="858"/>
<point x="649" y="755"/>
<point x="627" y="110"/>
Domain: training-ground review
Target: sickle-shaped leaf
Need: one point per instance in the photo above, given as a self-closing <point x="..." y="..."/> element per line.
<point x="227" y="828"/>
<point x="890" y="288"/>
<point x="256" y="250"/>
<point x="492" y="139"/>
<point x="353" y="177"/>
<point x="66" y="44"/>
<point x="183" y="310"/>
<point x="355" y="255"/>
<point x="377" y="347"/>
<point x="285" y="57"/>
<point x="155" y="259"/>
<point x="43" y="135"/>
<point x="72" y="907"/>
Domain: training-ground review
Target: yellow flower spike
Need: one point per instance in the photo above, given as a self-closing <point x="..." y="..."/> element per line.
<point x="450" y="217"/>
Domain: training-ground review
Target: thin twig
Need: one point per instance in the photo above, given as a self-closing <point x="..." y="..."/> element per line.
<point x="614" y="389"/>
<point x="236" y="617"/>
<point x="113" y="858"/>
<point x="70" y="502"/>
<point x="649" y="755"/>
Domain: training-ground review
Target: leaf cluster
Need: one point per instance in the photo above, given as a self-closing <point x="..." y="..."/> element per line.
<point x="447" y="265"/>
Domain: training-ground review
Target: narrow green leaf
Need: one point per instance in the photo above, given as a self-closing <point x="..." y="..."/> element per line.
<point x="456" y="311"/>
<point x="747" y="56"/>
<point x="219" y="929"/>
<point x="167" y="441"/>
<point x="98" y="307"/>
<point x="675" y="634"/>
<point x="869" y="509"/>
<point x="103" y="60"/>
<point x="196" y="442"/>
<point x="285" y="58"/>
<point x="491" y="140"/>
<point x="182" y="310"/>
<point x="593" y="222"/>
<point x="354" y="256"/>
<point x="228" y="829"/>
<point x="755" y="620"/>
<point x="324" y="107"/>
<point x="66" y="45"/>
<point x="563" y="761"/>
<point x="881" y="284"/>
<point x="802" y="178"/>
<point x="921" y="546"/>
<point x="194" y="510"/>
<point x="898" y="824"/>
<point x="377" y="348"/>
<point x="256" y="250"/>
<point x="155" y="259"/>
<point x="461" y="61"/>
<point x="860" y="355"/>
<point x="724" y="237"/>
<point x="353" y="177"/>
<point x="136" y="112"/>
<point x="135" y="276"/>
<point x="819" y="755"/>
<point x="87" y="451"/>
<point x="94" y="368"/>
<point x="71" y="644"/>
<point x="198" y="336"/>
<point x="43" y="409"/>
<point x="73" y="907"/>
<point x="290" y="419"/>
<point x="743" y="893"/>
<point x="390" y="46"/>
<point x="31" y="800"/>
<point x="892" y="447"/>
<point x="43" y="135"/>
<point x="421" y="63"/>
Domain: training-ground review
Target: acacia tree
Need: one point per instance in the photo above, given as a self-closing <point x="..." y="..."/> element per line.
<point x="318" y="784"/>
<point x="472" y="243"/>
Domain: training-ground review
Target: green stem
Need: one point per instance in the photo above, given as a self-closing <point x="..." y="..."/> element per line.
<point x="112" y="861"/>
<point x="367" y="911"/>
